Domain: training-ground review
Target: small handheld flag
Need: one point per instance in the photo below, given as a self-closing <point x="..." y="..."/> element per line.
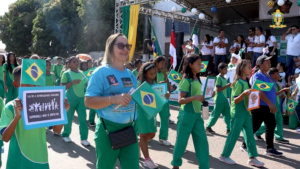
<point x="204" y="66"/>
<point x="175" y="76"/>
<point x="262" y="86"/>
<point x="148" y="100"/>
<point x="291" y="105"/>
<point x="33" y="72"/>
<point x="89" y="72"/>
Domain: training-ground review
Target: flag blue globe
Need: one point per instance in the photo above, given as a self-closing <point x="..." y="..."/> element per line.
<point x="148" y="99"/>
<point x="34" y="72"/>
<point x="263" y="86"/>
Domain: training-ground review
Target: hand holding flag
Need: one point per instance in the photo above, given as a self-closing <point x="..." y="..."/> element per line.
<point x="33" y="72"/>
<point x="175" y="76"/>
<point x="291" y="105"/>
<point x="262" y="86"/>
<point x="204" y="66"/>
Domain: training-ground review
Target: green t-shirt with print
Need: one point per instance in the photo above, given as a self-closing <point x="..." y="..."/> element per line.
<point x="9" y="76"/>
<point x="191" y="88"/>
<point x="240" y="109"/>
<point x="57" y="70"/>
<point x="221" y="97"/>
<point x="76" y="91"/>
<point x="277" y="90"/>
<point x="135" y="72"/>
<point x="1" y="72"/>
<point x="27" y="148"/>
<point x="160" y="77"/>
<point x="50" y="79"/>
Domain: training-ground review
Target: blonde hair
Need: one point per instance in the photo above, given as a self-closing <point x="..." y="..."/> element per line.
<point x="108" y="58"/>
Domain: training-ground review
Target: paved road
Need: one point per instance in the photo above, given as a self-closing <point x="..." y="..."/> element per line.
<point x="75" y="156"/>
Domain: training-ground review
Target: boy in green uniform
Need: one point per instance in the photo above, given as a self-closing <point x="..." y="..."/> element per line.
<point x="57" y="70"/>
<point x="75" y="82"/>
<point x="278" y="132"/>
<point x="138" y="63"/>
<point x="221" y="101"/>
<point x="29" y="147"/>
<point x="11" y="91"/>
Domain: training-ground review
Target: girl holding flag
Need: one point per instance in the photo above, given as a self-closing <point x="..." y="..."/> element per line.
<point x="11" y="91"/>
<point x="190" y="121"/>
<point x="75" y="82"/>
<point x="164" y="114"/>
<point x="241" y="118"/>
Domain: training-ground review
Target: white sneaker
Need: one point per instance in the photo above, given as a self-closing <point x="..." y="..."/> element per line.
<point x="150" y="164"/>
<point x="67" y="139"/>
<point x="164" y="142"/>
<point x="227" y="160"/>
<point x="255" y="162"/>
<point x="85" y="143"/>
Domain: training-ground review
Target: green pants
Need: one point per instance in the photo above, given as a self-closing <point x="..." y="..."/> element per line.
<point x="191" y="124"/>
<point x="239" y="124"/>
<point x="106" y="157"/>
<point x="164" y="115"/>
<point x="278" y="132"/>
<point x="218" y="109"/>
<point x="11" y="94"/>
<point x="81" y="112"/>
<point x="92" y="116"/>
<point x="1" y="89"/>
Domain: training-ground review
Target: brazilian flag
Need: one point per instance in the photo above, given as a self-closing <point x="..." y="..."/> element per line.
<point x="148" y="100"/>
<point x="89" y="72"/>
<point x="204" y="65"/>
<point x="262" y="86"/>
<point x="291" y="105"/>
<point x="175" y="76"/>
<point x="33" y="72"/>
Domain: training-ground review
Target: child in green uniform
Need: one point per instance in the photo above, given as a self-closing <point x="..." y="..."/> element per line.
<point x="190" y="121"/>
<point x="2" y="61"/>
<point x="28" y="146"/>
<point x="138" y="63"/>
<point x="65" y="68"/>
<point x="57" y="70"/>
<point x="164" y="114"/>
<point x="75" y="82"/>
<point x="278" y="132"/>
<point x="11" y="91"/>
<point x="241" y="118"/>
<point x="221" y="101"/>
<point x="1" y="141"/>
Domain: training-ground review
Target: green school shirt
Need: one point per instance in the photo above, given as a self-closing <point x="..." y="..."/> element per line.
<point x="277" y="90"/>
<point x="27" y="148"/>
<point x="50" y="79"/>
<point x="240" y="109"/>
<point x="9" y="76"/>
<point x="1" y="72"/>
<point x="135" y="72"/>
<point x="160" y="77"/>
<point x="76" y="91"/>
<point x="221" y="97"/>
<point x="52" y="68"/>
<point x="57" y="70"/>
<point x="191" y="88"/>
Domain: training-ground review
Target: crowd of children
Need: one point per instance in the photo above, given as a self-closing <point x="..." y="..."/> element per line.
<point x="231" y="99"/>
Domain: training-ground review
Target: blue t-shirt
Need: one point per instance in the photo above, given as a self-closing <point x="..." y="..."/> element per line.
<point x="108" y="81"/>
<point x="270" y="94"/>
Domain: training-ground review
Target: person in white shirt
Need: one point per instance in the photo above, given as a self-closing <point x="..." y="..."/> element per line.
<point x="220" y="44"/>
<point x="249" y="40"/>
<point x="293" y="46"/>
<point x="258" y="44"/>
<point x="207" y="45"/>
<point x="189" y="48"/>
<point x="271" y="43"/>
<point x="239" y="44"/>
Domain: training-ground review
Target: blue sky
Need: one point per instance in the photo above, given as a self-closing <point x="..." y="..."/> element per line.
<point x="4" y="8"/>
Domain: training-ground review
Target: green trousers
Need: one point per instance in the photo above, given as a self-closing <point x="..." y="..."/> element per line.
<point x="92" y="115"/>
<point x="278" y="132"/>
<point x="11" y="94"/>
<point x="106" y="157"/>
<point x="164" y="115"/>
<point x="81" y="112"/>
<point x="239" y="124"/>
<point x="2" y="89"/>
<point x="191" y="124"/>
<point x="218" y="109"/>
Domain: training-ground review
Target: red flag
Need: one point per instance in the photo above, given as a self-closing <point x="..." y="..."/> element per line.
<point x="172" y="50"/>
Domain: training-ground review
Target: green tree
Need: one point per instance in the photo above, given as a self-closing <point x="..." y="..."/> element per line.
<point x="16" y="26"/>
<point x="56" y="28"/>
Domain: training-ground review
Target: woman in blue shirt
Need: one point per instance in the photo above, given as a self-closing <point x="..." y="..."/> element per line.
<point x="108" y="88"/>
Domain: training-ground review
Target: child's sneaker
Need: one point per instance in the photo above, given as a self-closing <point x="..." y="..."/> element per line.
<point x="255" y="162"/>
<point x="164" y="142"/>
<point x="244" y="148"/>
<point x="150" y="164"/>
<point x="92" y="124"/>
<point x="67" y="139"/>
<point x="273" y="152"/>
<point x="171" y="121"/>
<point x="227" y="160"/>
<point x="85" y="143"/>
<point x="227" y="132"/>
<point x="209" y="130"/>
<point x="283" y="141"/>
<point x="258" y="138"/>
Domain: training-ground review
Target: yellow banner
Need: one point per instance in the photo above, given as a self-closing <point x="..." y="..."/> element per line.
<point x="133" y="22"/>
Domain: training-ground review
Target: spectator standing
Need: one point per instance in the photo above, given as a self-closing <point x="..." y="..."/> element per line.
<point x="249" y="40"/>
<point x="271" y="42"/>
<point x="258" y="45"/>
<point x="220" y="44"/>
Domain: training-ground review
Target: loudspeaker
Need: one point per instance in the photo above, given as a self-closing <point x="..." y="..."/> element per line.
<point x="145" y="46"/>
<point x="179" y="42"/>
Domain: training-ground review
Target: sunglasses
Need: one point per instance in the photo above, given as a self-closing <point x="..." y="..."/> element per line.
<point x="121" y="46"/>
